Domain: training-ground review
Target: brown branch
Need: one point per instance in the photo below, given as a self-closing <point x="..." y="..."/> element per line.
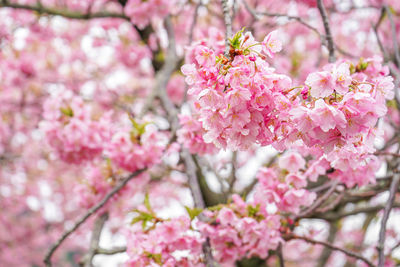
<point x="385" y="153"/>
<point x="328" y="34"/>
<point x="90" y="212"/>
<point x="280" y="255"/>
<point x="233" y="175"/>
<point x="228" y="24"/>
<point x="394" y="36"/>
<point x="319" y="201"/>
<point x="326" y="252"/>
<point x="333" y="247"/>
<point x="94" y="241"/>
<point x="256" y="15"/>
<point x="375" y="28"/>
<point x="382" y="233"/>
<point x="194" y="21"/>
<point x="40" y="9"/>
<point x="110" y="251"/>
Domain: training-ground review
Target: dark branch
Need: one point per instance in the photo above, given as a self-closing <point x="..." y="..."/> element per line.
<point x="63" y="12"/>
<point x="228" y="24"/>
<point x="333" y="247"/>
<point x="382" y="233"/>
<point x="110" y="251"/>
<point x="328" y="34"/>
<point x="91" y="211"/>
<point x="94" y="241"/>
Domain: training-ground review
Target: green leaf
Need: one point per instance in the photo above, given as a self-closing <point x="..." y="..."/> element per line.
<point x="193" y="213"/>
<point x="157" y="257"/>
<point x="252" y="211"/>
<point x="362" y="65"/>
<point x="143" y="217"/>
<point x="147" y="202"/>
<point x="138" y="129"/>
<point x="67" y="111"/>
<point x="235" y="41"/>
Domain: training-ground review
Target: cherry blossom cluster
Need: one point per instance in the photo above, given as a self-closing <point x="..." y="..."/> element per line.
<point x="284" y="186"/>
<point x="238" y="95"/>
<point x="95" y="185"/>
<point x="158" y="242"/>
<point x="141" y="11"/>
<point x="135" y="147"/>
<point x="71" y="131"/>
<point x="239" y="230"/>
<point x="191" y="136"/>
<point x="339" y="116"/>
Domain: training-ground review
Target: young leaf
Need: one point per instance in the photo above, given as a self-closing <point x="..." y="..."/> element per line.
<point x="193" y="213"/>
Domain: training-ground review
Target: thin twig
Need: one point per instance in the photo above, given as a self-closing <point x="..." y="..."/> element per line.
<point x="332" y="205"/>
<point x="194" y="21"/>
<point x="394" y="36"/>
<point x="110" y="251"/>
<point x="63" y="12"/>
<point x="333" y="247"/>
<point x="233" y="176"/>
<point x="228" y="24"/>
<point x="382" y="233"/>
<point x="386" y="153"/>
<point x="326" y="252"/>
<point x="90" y="212"/>
<point x="257" y="15"/>
<point x="95" y="239"/>
<point x="328" y="34"/>
<point x="378" y="39"/>
<point x="280" y="255"/>
<point x="319" y="201"/>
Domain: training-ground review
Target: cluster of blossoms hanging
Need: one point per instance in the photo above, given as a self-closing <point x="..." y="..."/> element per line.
<point x="240" y="101"/>
<point x="140" y="12"/>
<point x="153" y="241"/>
<point x="238" y="96"/>
<point x="75" y="134"/>
<point x="135" y="147"/>
<point x="338" y="117"/>
<point x="70" y="129"/>
<point x="241" y="230"/>
<point x="284" y="186"/>
<point x="191" y="136"/>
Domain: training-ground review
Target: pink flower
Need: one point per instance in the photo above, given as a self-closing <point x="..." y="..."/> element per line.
<point x="327" y="117"/>
<point x="271" y="44"/>
<point x="341" y="75"/>
<point x="226" y="217"/>
<point x="321" y="83"/>
<point x="292" y="162"/>
<point x="385" y="86"/>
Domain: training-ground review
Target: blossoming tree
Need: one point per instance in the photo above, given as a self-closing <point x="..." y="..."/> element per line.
<point x="199" y="133"/>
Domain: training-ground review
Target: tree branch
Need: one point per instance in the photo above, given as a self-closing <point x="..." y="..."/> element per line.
<point x="94" y="241"/>
<point x="110" y="251"/>
<point x="228" y="24"/>
<point x="333" y="247"/>
<point x="90" y="212"/>
<point x="280" y="255"/>
<point x="326" y="252"/>
<point x="319" y="201"/>
<point x="256" y="15"/>
<point x="382" y="233"/>
<point x="394" y="36"/>
<point x="328" y="34"/>
<point x="63" y="12"/>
